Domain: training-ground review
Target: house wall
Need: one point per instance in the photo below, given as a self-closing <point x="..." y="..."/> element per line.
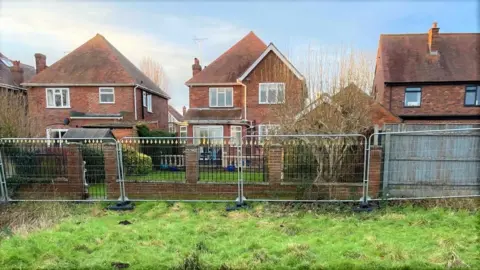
<point x="159" y="110"/>
<point x="436" y="100"/>
<point x="272" y="69"/>
<point x="82" y="99"/>
<point x="199" y="96"/>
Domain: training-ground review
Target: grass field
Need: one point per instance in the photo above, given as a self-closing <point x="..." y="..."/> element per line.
<point x="267" y="236"/>
<point x="205" y="176"/>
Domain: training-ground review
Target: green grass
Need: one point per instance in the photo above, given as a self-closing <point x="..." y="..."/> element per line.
<point x="212" y="176"/>
<point x="181" y="235"/>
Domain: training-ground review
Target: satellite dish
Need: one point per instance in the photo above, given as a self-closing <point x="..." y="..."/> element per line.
<point x="66" y="121"/>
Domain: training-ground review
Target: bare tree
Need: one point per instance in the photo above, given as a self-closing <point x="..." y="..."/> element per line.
<point x="335" y="101"/>
<point x="14" y="121"/>
<point x="155" y="72"/>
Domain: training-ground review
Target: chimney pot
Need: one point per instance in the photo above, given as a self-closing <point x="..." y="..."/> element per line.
<point x="184" y="110"/>
<point x="40" y="62"/>
<point x="196" y="67"/>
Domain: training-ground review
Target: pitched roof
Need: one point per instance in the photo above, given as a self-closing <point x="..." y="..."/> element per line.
<point x="213" y="114"/>
<point x="233" y="63"/>
<point x="406" y="58"/>
<point x="6" y="75"/>
<point x="175" y="113"/>
<point x="95" y="62"/>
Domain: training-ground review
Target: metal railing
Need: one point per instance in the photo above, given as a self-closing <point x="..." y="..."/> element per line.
<point x="305" y="168"/>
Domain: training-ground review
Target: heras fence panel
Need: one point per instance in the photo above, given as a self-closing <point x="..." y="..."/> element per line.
<point x="58" y="169"/>
<point x="180" y="168"/>
<point x="424" y="164"/>
<point x="317" y="167"/>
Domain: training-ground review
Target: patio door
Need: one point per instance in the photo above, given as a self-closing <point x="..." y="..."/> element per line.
<point x="210" y="139"/>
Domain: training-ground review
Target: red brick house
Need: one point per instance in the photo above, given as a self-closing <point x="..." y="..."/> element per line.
<point x="430" y="77"/>
<point x="94" y="86"/>
<point x="176" y="122"/>
<point x="238" y="92"/>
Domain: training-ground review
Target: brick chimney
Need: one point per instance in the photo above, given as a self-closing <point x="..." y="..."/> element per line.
<point x="196" y="68"/>
<point x="184" y="110"/>
<point x="40" y="62"/>
<point x="433" y="39"/>
<point x="17" y="72"/>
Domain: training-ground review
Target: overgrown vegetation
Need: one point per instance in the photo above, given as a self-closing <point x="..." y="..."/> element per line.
<point x="267" y="236"/>
<point x="14" y="121"/>
<point x="134" y="162"/>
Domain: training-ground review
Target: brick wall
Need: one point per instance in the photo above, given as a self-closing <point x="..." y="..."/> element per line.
<point x="272" y="69"/>
<point x="436" y="100"/>
<point x="159" y="110"/>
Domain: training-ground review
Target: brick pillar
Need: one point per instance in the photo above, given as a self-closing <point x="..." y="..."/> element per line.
<point x="76" y="187"/>
<point x="375" y="172"/>
<point x="191" y="164"/>
<point x="112" y="186"/>
<point x="275" y="164"/>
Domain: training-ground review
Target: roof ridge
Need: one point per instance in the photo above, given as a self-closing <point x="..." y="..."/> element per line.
<point x="250" y="34"/>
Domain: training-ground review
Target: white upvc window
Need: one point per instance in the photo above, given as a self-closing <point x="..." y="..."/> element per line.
<point x="266" y="130"/>
<point x="271" y="93"/>
<point x="213" y="134"/>
<point x="106" y="95"/>
<point x="236" y="134"/>
<point x="171" y="128"/>
<point x="144" y="94"/>
<point x="183" y="131"/>
<point x="55" y="134"/>
<point x="58" y="97"/>
<point x="221" y="97"/>
<point x="149" y="103"/>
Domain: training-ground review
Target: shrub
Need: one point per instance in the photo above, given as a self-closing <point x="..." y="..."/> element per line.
<point x="134" y="162"/>
<point x="94" y="164"/>
<point x="157" y="151"/>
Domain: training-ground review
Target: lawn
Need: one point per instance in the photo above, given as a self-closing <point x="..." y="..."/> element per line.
<point x="205" y="176"/>
<point x="266" y="236"/>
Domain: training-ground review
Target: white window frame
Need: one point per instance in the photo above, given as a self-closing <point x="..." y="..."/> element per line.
<point x="266" y="127"/>
<point x="196" y="133"/>
<point x="149" y="103"/>
<point x="144" y="97"/>
<point x="261" y="85"/>
<point x="171" y="127"/>
<point x="234" y="131"/>
<point x="218" y="90"/>
<point x="183" y="130"/>
<point x="100" y="94"/>
<point x="52" y="106"/>
<point x="50" y="130"/>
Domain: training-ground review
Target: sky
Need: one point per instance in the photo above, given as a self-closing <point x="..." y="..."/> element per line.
<point x="165" y="31"/>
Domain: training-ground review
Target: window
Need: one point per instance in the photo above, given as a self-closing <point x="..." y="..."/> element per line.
<point x="58" y="97"/>
<point x="144" y="99"/>
<point x="107" y="95"/>
<point x="183" y="131"/>
<point x="149" y="103"/>
<point x="266" y="130"/>
<point x="413" y="96"/>
<point x="271" y="93"/>
<point x="221" y="97"/>
<point x="208" y="133"/>
<point x="472" y="96"/>
<point x="236" y="134"/>
<point x="56" y="134"/>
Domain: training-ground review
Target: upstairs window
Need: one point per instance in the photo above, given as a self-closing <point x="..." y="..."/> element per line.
<point x="472" y="96"/>
<point x="107" y="95"/>
<point x="271" y="93"/>
<point x="221" y="97"/>
<point x="149" y="103"/>
<point x="58" y="97"/>
<point x="413" y="96"/>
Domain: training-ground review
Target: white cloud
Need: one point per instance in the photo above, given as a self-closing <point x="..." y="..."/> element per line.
<point x="55" y="29"/>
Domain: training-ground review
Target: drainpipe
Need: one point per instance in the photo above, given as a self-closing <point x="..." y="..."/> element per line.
<point x="244" y="99"/>
<point x="135" y="100"/>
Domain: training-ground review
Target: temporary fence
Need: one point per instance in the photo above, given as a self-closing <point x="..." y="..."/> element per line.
<point x="307" y="168"/>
